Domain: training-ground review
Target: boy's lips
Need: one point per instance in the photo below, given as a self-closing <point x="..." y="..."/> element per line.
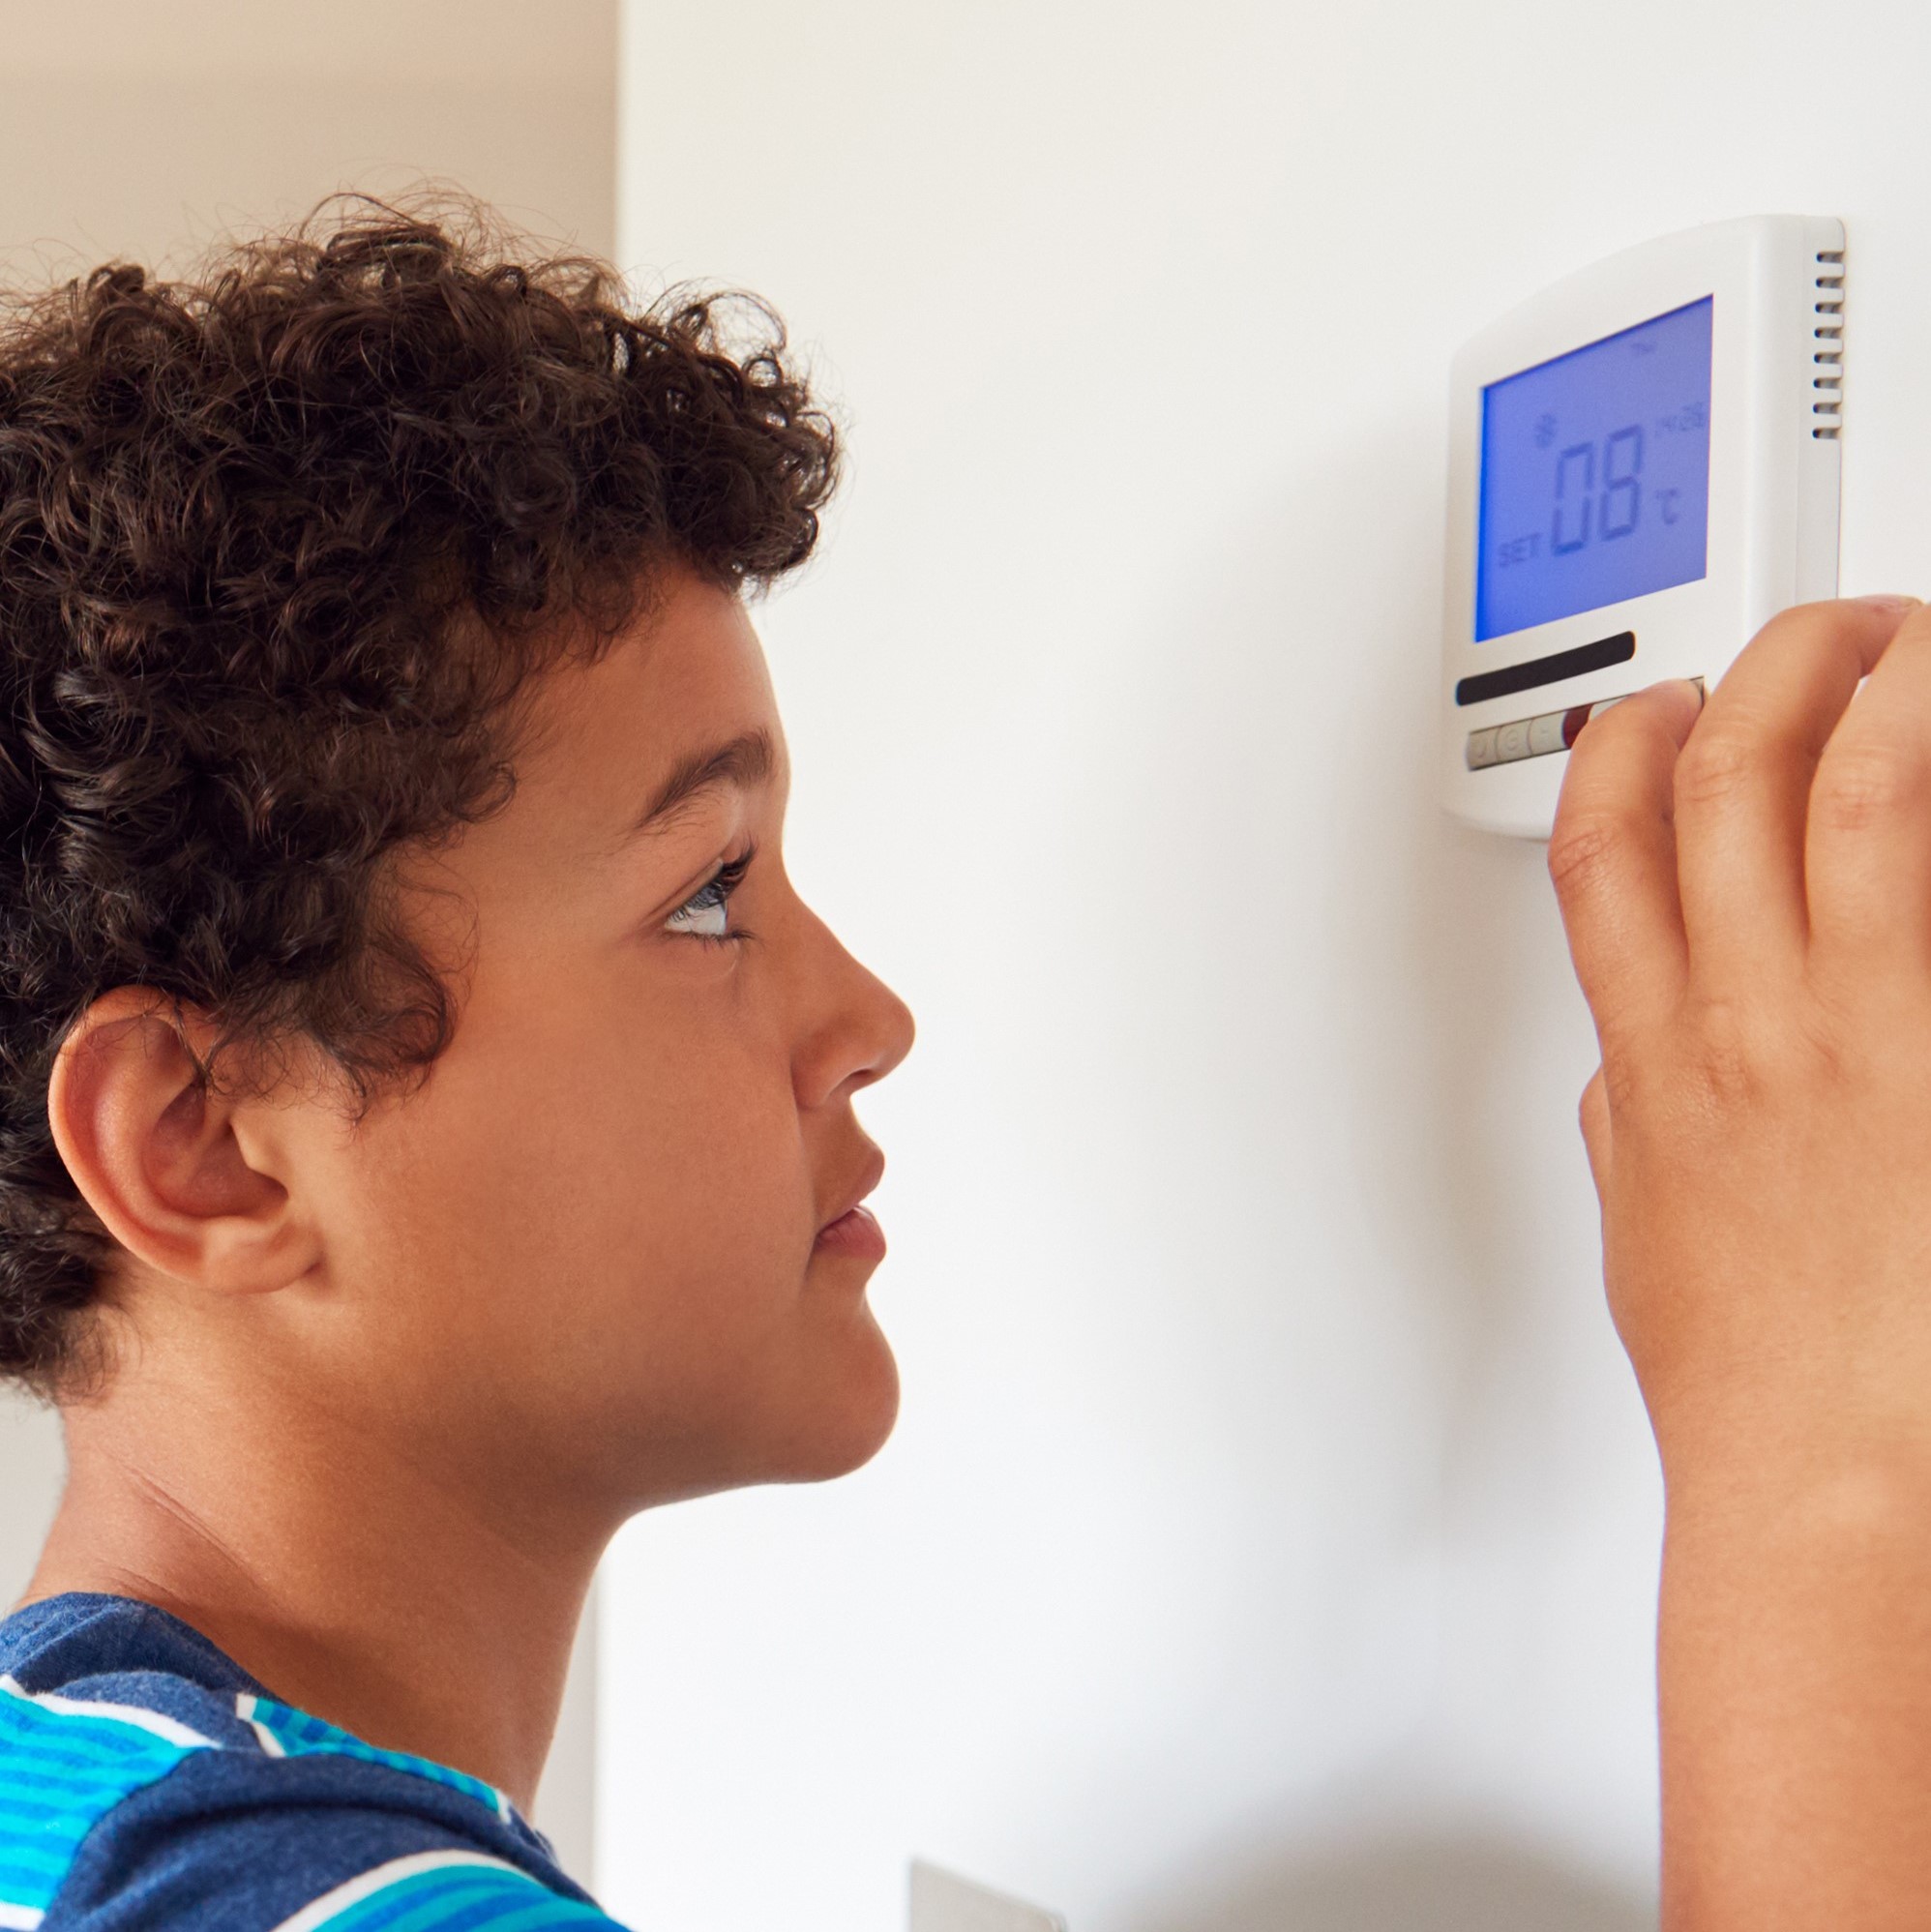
<point x="854" y="1233"/>
<point x="854" y="1230"/>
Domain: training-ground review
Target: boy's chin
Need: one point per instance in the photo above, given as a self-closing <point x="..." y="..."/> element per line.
<point x="829" y="1413"/>
<point x="848" y="1423"/>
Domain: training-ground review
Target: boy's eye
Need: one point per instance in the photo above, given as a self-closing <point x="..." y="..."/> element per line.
<point x="705" y="914"/>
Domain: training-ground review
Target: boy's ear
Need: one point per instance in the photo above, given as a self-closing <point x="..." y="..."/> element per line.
<point x="184" y="1180"/>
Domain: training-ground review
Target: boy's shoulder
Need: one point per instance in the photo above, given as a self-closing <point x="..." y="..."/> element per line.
<point x="147" y="1781"/>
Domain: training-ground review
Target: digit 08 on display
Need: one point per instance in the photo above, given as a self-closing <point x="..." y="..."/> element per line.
<point x="1644" y="469"/>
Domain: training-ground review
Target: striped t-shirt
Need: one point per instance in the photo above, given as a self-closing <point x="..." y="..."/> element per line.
<point x="147" y="1781"/>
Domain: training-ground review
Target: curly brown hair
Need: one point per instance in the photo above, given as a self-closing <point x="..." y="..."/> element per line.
<point x="281" y="544"/>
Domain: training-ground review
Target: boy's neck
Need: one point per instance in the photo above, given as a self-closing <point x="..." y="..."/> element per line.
<point x="355" y="1584"/>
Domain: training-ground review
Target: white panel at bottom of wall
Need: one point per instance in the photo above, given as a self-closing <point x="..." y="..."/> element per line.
<point x="943" y="1902"/>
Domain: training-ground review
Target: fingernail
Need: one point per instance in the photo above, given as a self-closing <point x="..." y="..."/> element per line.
<point x="1575" y="719"/>
<point x="1889" y="601"/>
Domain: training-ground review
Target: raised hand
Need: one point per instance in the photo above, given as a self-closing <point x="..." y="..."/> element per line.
<point x="1747" y="893"/>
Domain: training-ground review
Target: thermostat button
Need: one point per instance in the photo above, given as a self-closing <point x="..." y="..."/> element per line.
<point x="1512" y="740"/>
<point x="1482" y="748"/>
<point x="1545" y="734"/>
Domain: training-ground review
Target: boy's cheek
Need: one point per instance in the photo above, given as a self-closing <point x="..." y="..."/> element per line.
<point x="703" y="1368"/>
<point x="565" y="1240"/>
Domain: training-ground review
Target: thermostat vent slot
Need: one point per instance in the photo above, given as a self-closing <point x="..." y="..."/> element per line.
<point x="1826" y="384"/>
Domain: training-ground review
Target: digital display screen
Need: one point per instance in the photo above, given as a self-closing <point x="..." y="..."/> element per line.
<point x="1595" y="474"/>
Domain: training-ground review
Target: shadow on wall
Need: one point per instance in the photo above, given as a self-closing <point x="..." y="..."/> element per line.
<point x="1446" y="1884"/>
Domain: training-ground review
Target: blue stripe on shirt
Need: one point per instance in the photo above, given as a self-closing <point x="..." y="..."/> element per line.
<point x="65" y="1766"/>
<point x="445" y="1891"/>
<point x="286" y="1732"/>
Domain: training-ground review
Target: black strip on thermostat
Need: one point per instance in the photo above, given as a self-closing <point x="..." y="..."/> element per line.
<point x="1606" y="651"/>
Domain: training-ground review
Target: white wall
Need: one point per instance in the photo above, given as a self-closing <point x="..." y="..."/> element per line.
<point x="1269" y="1536"/>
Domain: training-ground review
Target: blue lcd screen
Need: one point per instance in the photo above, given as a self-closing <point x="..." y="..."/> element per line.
<point x="1595" y="474"/>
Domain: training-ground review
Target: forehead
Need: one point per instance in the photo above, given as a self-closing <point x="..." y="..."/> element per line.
<point x="686" y="679"/>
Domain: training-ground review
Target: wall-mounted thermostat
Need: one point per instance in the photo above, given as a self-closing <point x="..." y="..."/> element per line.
<point x="1644" y="471"/>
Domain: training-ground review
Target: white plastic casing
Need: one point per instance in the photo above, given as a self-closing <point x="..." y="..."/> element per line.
<point x="1776" y="370"/>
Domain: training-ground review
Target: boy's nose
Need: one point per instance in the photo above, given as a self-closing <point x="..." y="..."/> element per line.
<point x="866" y="1030"/>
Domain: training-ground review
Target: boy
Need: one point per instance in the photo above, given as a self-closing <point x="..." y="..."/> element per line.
<point x="427" y="1106"/>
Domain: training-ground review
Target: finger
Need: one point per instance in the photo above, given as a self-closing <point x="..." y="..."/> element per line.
<point x="1613" y="857"/>
<point x="1744" y="783"/>
<point x="1867" y="847"/>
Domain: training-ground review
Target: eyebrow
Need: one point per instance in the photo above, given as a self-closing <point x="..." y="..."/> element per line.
<point x="744" y="762"/>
